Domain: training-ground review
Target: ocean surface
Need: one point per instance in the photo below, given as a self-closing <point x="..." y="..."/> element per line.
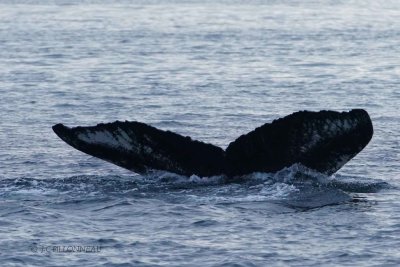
<point x="212" y="70"/>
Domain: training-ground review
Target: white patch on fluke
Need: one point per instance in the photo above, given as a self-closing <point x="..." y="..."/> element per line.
<point x="121" y="140"/>
<point x="103" y="137"/>
<point x="330" y="129"/>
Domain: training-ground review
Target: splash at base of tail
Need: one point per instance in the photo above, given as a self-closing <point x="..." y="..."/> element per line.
<point x="323" y="141"/>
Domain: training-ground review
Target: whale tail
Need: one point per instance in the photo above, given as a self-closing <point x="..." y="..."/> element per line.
<point x="323" y="141"/>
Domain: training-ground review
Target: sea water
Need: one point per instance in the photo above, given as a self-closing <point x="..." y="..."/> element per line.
<point x="212" y="70"/>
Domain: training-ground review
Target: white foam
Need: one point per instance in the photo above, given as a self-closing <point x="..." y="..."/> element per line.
<point x="278" y="191"/>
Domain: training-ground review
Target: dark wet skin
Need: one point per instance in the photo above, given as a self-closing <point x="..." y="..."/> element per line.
<point x="323" y="141"/>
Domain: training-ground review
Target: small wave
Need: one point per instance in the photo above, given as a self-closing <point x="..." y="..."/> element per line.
<point x="205" y="223"/>
<point x="356" y="184"/>
<point x="300" y="175"/>
<point x="295" y="186"/>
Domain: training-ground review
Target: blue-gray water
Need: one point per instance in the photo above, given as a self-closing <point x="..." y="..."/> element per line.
<point x="212" y="71"/>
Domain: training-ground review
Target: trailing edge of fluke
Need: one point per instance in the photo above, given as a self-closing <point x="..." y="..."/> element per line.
<point x="323" y="141"/>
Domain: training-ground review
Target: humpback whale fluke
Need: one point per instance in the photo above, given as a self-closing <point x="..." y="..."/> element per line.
<point x="323" y="141"/>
